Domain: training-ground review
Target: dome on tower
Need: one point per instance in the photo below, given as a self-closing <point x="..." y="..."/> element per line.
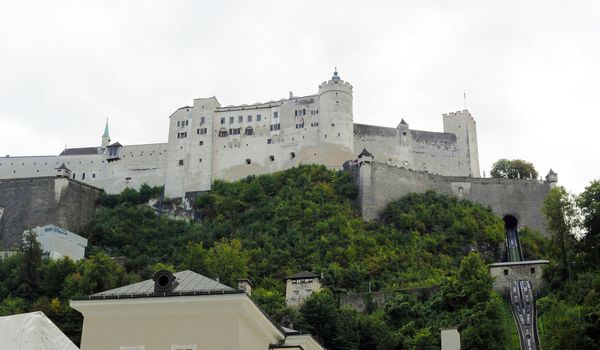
<point x="335" y="75"/>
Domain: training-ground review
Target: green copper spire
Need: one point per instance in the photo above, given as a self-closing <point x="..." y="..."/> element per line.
<point x="106" y="129"/>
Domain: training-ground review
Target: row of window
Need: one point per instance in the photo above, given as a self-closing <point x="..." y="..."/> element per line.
<point x="173" y="347"/>
<point x="182" y="123"/>
<point x="241" y="119"/>
<point x="182" y="135"/>
<point x="248" y="161"/>
<point x="306" y="280"/>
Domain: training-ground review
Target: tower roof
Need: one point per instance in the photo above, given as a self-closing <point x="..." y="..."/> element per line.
<point x="365" y="153"/>
<point x="106" y="130"/>
<point x="335" y="75"/>
<point x="63" y="167"/>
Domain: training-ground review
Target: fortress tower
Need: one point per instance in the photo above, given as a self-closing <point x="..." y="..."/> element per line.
<point x="462" y="124"/>
<point x="336" y="124"/>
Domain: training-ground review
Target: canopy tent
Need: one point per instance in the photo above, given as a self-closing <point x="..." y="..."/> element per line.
<point x="32" y="331"/>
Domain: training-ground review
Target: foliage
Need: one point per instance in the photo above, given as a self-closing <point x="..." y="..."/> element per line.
<point x="513" y="169"/>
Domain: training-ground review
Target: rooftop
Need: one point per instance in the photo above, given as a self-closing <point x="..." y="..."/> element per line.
<point x="190" y="283"/>
<point x="303" y="274"/>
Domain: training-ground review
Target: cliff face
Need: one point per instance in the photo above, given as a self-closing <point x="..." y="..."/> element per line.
<point x="30" y="202"/>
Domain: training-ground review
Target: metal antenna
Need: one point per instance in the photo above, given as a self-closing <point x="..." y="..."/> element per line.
<point x="465" y="98"/>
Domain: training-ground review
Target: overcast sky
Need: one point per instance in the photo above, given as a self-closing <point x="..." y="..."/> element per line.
<point x="530" y="69"/>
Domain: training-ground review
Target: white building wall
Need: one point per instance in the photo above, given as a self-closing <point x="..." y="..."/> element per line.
<point x="58" y="242"/>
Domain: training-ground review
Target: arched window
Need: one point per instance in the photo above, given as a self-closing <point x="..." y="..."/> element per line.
<point x="271" y="158"/>
<point x="292" y="155"/>
<point x="249" y="131"/>
<point x="248" y="161"/>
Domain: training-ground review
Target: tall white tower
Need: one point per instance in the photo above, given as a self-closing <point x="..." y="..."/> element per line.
<point x="336" y="126"/>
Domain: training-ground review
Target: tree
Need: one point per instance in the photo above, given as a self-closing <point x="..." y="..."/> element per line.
<point x="32" y="259"/>
<point x="227" y="261"/>
<point x="513" y="169"/>
<point x="559" y="210"/>
<point x="589" y="203"/>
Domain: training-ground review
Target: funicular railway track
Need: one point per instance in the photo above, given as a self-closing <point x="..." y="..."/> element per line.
<point x="522" y="300"/>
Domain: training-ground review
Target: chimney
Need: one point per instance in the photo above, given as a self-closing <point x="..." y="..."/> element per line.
<point x="164" y="281"/>
<point x="291" y="95"/>
<point x="245" y="285"/>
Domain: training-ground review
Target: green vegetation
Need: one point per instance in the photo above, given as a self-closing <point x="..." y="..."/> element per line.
<point x="513" y="169"/>
<point x="428" y="253"/>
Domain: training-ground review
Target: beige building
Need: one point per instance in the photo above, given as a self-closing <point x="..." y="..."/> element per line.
<point x="300" y="286"/>
<point x="181" y="311"/>
<point x="505" y="273"/>
<point x="58" y="242"/>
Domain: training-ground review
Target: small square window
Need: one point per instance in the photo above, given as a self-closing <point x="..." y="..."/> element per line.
<point x="222" y="120"/>
<point x="258" y="117"/>
<point x="231" y="120"/>
<point x="202" y="119"/>
<point x="249" y="118"/>
<point x="180" y="162"/>
<point x="505" y="272"/>
<point x="201" y="143"/>
<point x="532" y="270"/>
<point x="269" y="141"/>
<point x="275" y="114"/>
<point x="200" y="160"/>
<point x="241" y="119"/>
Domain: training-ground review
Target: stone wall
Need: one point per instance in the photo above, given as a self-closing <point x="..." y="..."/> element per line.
<point x="380" y="184"/>
<point x="31" y="202"/>
<point x="506" y="273"/>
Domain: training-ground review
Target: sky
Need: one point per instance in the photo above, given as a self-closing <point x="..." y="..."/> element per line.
<point x="530" y="69"/>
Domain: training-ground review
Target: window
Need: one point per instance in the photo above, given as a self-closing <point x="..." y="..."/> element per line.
<point x="180" y="162"/>
<point x="304" y="112"/>
<point x="200" y="160"/>
<point x="292" y="155"/>
<point x="258" y="117"/>
<point x="269" y="141"/>
<point x="231" y="120"/>
<point x="248" y="161"/>
<point x="222" y="121"/>
<point x="202" y="120"/>
<point x="295" y="113"/>
<point x="300" y="126"/>
<point x="223" y="133"/>
<point x="83" y="176"/>
<point x="275" y="114"/>
<point x="532" y="270"/>
<point x="241" y="119"/>
<point x="249" y="131"/>
<point x="249" y="118"/>
<point x="186" y="122"/>
<point x="314" y="125"/>
<point x="332" y="124"/>
<point x="178" y="123"/>
<point x="271" y="158"/>
<point x="93" y="176"/>
<point x="235" y="131"/>
<point x="202" y="131"/>
<point x="505" y="272"/>
<point x="184" y="347"/>
<point x="197" y="131"/>
<point x="201" y="143"/>
<point x="275" y="127"/>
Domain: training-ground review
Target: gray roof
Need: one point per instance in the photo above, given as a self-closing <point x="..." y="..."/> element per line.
<point x="516" y="263"/>
<point x="190" y="283"/>
<point x="303" y="274"/>
<point x="81" y="151"/>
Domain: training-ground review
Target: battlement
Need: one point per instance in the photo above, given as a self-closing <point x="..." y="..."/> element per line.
<point x="463" y="113"/>
<point x="335" y="85"/>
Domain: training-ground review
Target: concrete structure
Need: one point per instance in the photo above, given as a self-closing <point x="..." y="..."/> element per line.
<point x="207" y="141"/>
<point x="450" y="339"/>
<point x="57" y="242"/>
<point x="505" y="273"/>
<point x="181" y="311"/>
<point x="359" y="301"/>
<point x="379" y="184"/>
<point x="300" y="286"/>
<point x="40" y="201"/>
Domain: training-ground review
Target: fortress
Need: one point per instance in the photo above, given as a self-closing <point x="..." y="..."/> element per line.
<point x="207" y="141"/>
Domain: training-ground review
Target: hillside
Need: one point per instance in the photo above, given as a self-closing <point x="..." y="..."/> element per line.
<point x="428" y="253"/>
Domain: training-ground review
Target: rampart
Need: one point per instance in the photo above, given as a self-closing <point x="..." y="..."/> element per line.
<point x="379" y="184"/>
<point x="29" y="202"/>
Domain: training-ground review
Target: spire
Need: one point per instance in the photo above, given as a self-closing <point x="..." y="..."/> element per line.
<point x="106" y="129"/>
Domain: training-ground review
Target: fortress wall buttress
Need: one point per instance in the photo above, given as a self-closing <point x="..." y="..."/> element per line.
<point x="380" y="184"/>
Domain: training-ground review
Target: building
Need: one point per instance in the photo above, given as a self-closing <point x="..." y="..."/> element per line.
<point x="181" y="311"/>
<point x="300" y="286"/>
<point x="505" y="273"/>
<point x="57" y="242"/>
<point x="207" y="141"/>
